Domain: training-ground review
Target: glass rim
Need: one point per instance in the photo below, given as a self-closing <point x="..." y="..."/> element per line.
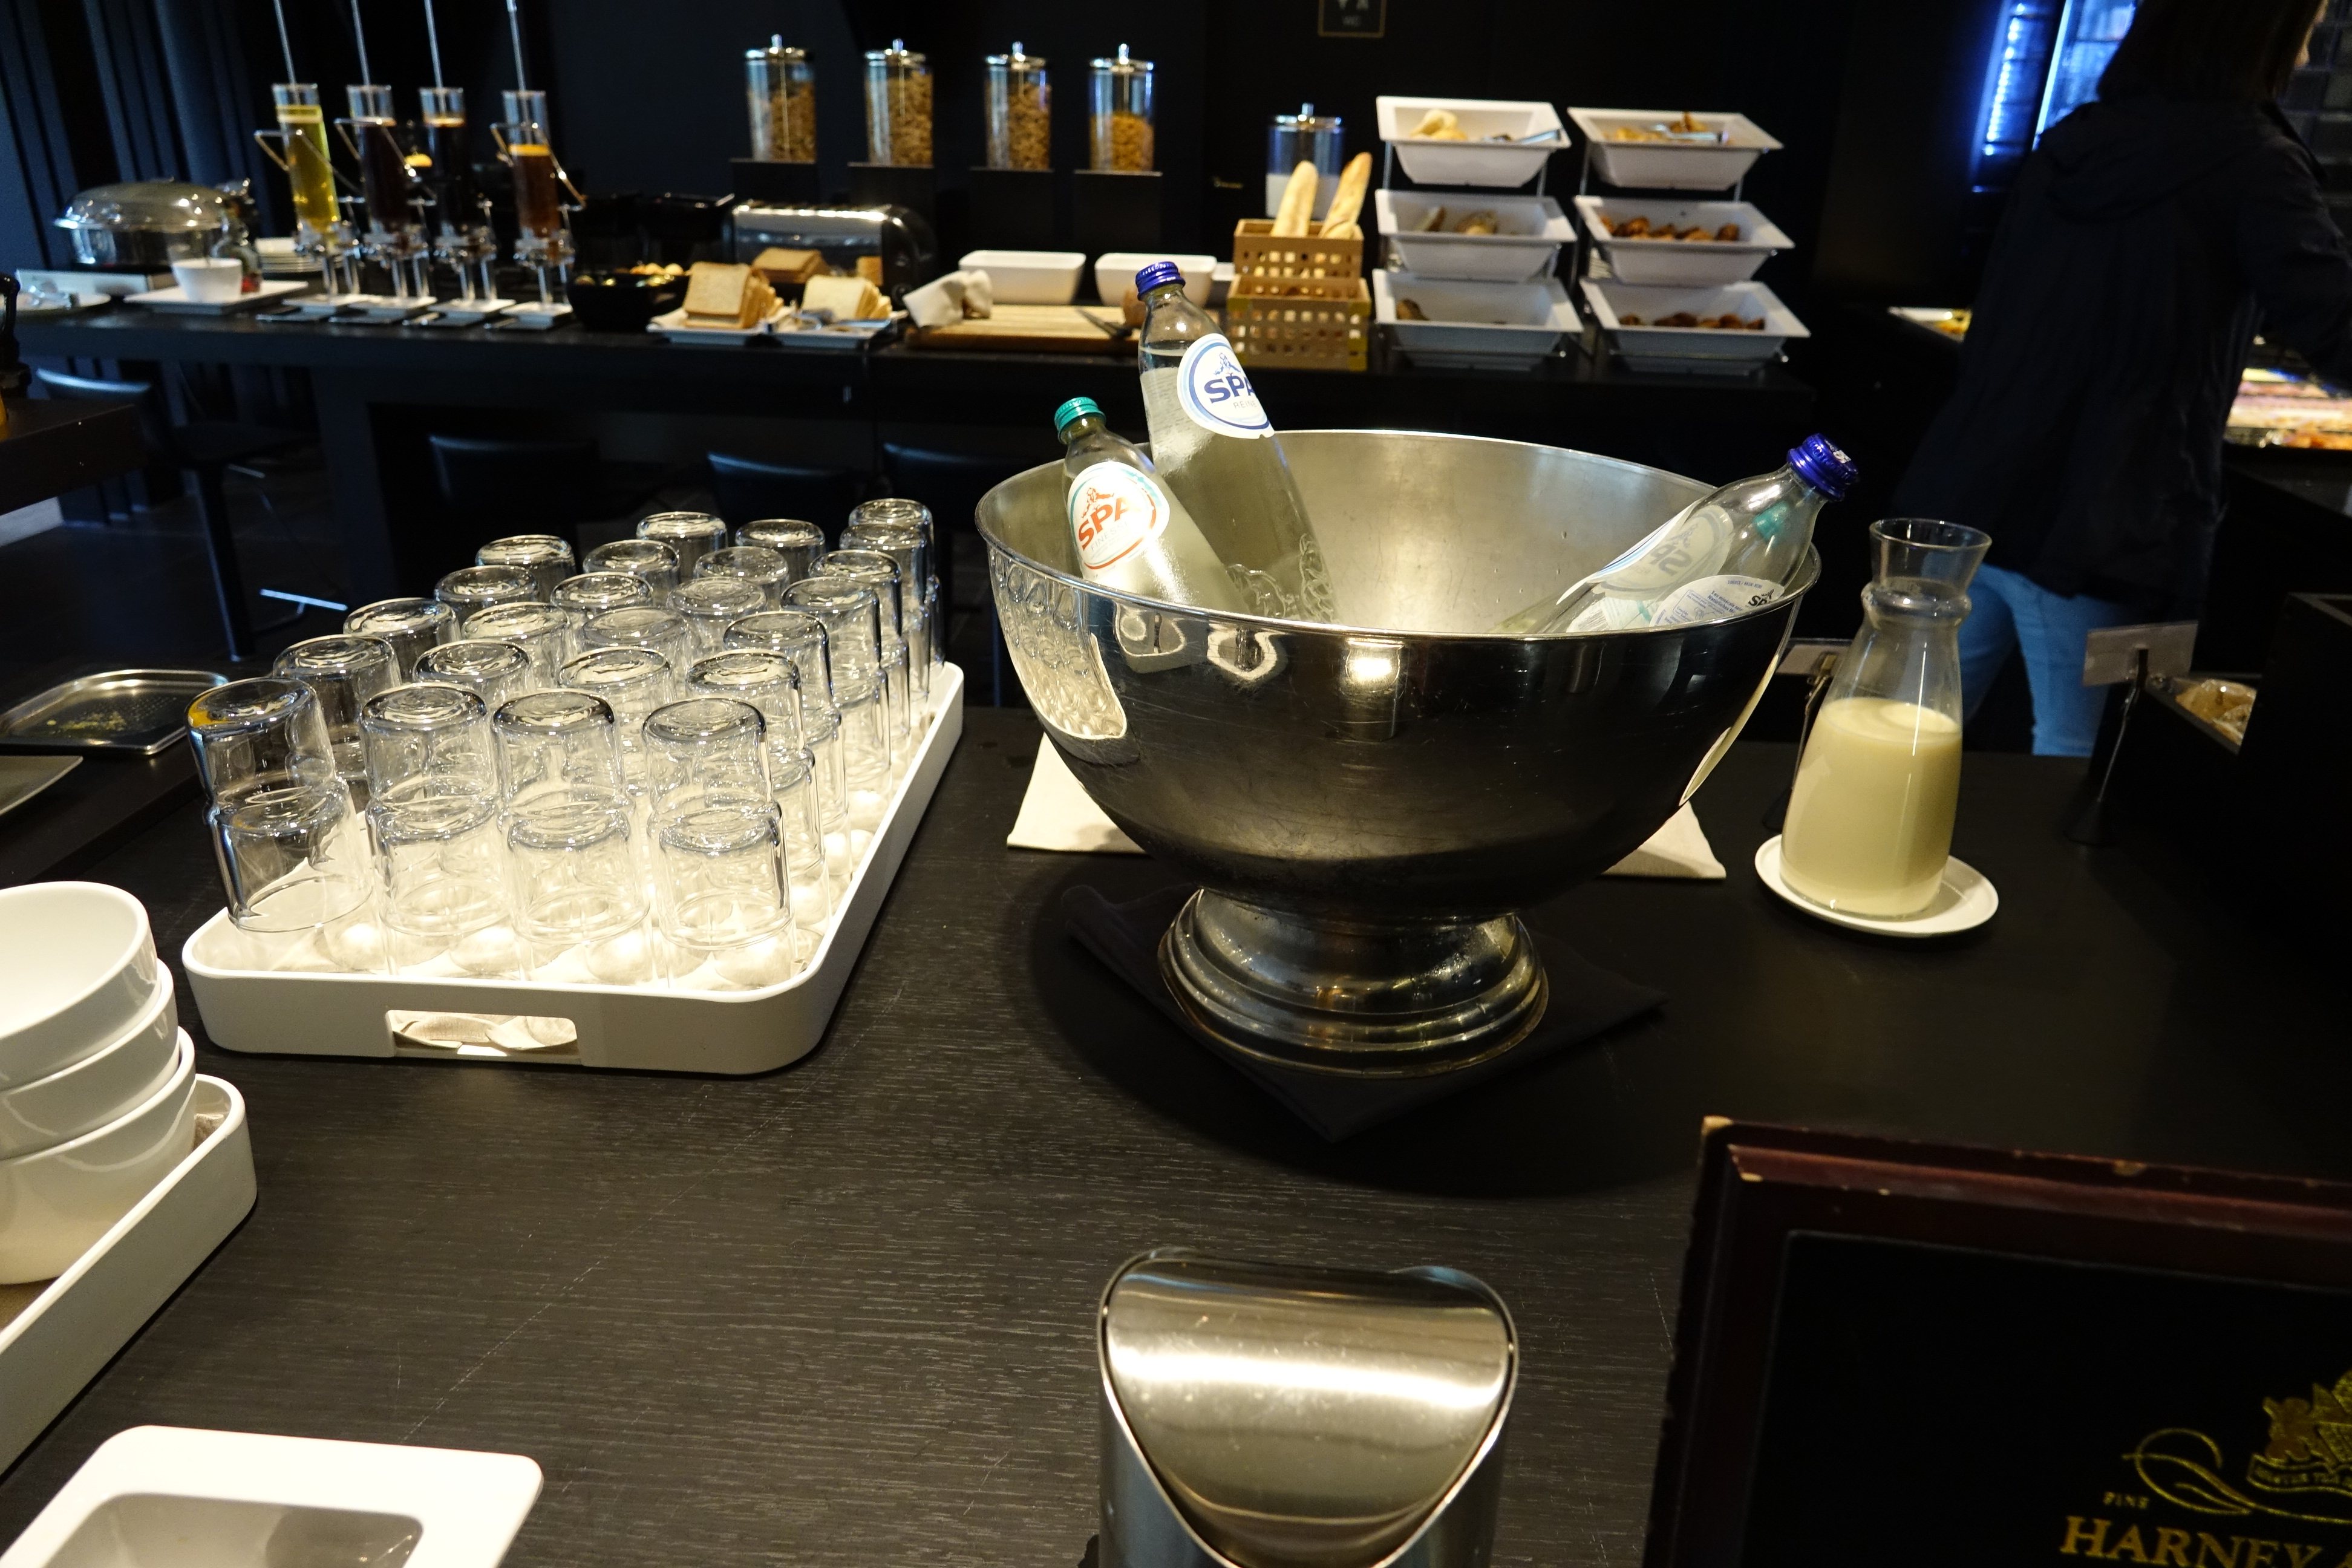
<point x="550" y="615"/>
<point x="711" y="719"/>
<point x="422" y="705"/>
<point x="274" y="699"/>
<point x="467" y="649"/>
<point x="398" y="614"/>
<point x="787" y="670"/>
<point x="1955" y="535"/>
<point x="336" y="653"/>
<point x="690" y="597"/>
<point x="640" y="548"/>
<point x="572" y="818"/>
<point x="635" y="584"/>
<point x="641" y="663"/>
<point x="552" y="713"/>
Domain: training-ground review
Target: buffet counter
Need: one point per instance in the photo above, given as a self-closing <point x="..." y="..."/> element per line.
<point x="843" y="1313"/>
<point x="376" y="388"/>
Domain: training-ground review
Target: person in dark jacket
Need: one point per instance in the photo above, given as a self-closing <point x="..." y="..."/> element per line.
<point x="2148" y="235"/>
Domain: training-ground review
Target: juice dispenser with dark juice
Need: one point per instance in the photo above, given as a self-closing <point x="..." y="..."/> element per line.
<point x="542" y="240"/>
<point x="462" y="237"/>
<point x="389" y="190"/>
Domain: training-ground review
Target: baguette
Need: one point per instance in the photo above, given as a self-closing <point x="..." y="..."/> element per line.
<point x="1298" y="201"/>
<point x="1348" y="206"/>
<point x="1349" y="230"/>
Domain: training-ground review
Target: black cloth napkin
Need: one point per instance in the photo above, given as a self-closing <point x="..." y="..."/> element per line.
<point x="1585" y="1001"/>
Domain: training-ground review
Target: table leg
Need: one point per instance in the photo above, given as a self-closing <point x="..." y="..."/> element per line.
<point x="347" y="438"/>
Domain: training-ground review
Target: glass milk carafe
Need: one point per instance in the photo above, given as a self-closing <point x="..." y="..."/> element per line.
<point x="1870" y="820"/>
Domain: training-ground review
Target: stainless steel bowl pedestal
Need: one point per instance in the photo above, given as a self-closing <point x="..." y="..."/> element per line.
<point x="1367" y="803"/>
<point x="1263" y="1415"/>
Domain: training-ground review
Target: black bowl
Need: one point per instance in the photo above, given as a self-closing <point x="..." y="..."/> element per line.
<point x="622" y="301"/>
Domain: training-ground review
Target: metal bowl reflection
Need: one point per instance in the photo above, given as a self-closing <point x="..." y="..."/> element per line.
<point x="1365" y="803"/>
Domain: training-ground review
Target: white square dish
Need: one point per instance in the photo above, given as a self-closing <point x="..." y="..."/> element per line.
<point x="1529" y="231"/>
<point x="1724" y="351"/>
<point x="1029" y="277"/>
<point x="1681" y="263"/>
<point x="1673" y="165"/>
<point x="1486" y="326"/>
<point x="1507" y="163"/>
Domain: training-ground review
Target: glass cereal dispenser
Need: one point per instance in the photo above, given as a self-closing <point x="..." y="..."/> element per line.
<point x="781" y="93"/>
<point x="1018" y="120"/>
<point x="898" y="107"/>
<point x="1119" y="94"/>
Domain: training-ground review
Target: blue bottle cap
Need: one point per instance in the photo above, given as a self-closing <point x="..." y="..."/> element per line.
<point x="1076" y="408"/>
<point x="1826" y="468"/>
<point x="1156" y="275"/>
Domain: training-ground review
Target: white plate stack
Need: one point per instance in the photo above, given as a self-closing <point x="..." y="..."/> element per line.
<point x="97" y="1079"/>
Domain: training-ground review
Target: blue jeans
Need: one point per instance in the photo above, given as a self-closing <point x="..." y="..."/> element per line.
<point x="2009" y="611"/>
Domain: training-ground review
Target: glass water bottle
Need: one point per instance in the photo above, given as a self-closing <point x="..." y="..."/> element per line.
<point x="1118" y="104"/>
<point x="1870" y="821"/>
<point x="780" y="92"/>
<point x="1018" y="104"/>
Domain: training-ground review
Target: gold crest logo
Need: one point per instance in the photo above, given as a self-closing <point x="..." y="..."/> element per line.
<point x="2311" y="1443"/>
<point x="2308" y="1460"/>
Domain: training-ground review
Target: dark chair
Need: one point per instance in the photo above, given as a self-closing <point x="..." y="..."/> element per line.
<point x="749" y="490"/>
<point x="951" y="484"/>
<point x="502" y="484"/>
<point x="203" y="450"/>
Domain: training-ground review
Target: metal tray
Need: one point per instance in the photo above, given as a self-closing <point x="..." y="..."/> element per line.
<point x="136" y="710"/>
<point x="22" y="778"/>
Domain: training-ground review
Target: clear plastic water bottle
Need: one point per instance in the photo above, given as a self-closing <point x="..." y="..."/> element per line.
<point x="1217" y="451"/>
<point x="1130" y="535"/>
<point x="1720" y="556"/>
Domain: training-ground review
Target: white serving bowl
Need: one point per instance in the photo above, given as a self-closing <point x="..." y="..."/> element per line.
<point x="1682" y="263"/>
<point x="55" y="1204"/>
<point x="210" y="279"/>
<point x="1690" y="348"/>
<point x="1029" y="277"/>
<point x="77" y="966"/>
<point x="1473" y="325"/>
<point x="1430" y="161"/>
<point x="1531" y="231"/>
<point x="1673" y="165"/>
<point x="1115" y="273"/>
<point x="96" y="1090"/>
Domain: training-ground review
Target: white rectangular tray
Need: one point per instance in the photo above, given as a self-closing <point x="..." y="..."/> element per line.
<point x="1686" y="348"/>
<point x="1430" y="161"/>
<point x="1673" y="165"/>
<point x="174" y="300"/>
<point x="638" y="1027"/>
<point x="1682" y="263"/>
<point x="1533" y="230"/>
<point x="57" y="1341"/>
<point x="1480" y="326"/>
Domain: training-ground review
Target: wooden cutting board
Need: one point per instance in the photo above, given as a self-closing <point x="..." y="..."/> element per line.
<point x="1032" y="329"/>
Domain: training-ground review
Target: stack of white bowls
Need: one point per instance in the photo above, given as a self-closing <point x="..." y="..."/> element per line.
<point x="97" y="1079"/>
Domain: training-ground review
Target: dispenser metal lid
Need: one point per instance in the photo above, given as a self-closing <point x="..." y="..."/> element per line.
<point x="1298" y="1417"/>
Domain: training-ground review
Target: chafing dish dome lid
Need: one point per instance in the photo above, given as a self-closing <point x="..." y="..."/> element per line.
<point x="149" y="205"/>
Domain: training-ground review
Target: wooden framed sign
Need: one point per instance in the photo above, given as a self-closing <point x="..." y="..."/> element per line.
<point x="1892" y="1352"/>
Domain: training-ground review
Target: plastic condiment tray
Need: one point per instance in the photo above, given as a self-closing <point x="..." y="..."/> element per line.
<point x="639" y="1027"/>
<point x="55" y="1341"/>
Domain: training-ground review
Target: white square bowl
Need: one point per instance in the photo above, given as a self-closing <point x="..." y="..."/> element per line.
<point x="1673" y="165"/>
<point x="1509" y="163"/>
<point x="1488" y="326"/>
<point x="1689" y="349"/>
<point x="1681" y="263"/>
<point x="1531" y="231"/>
<point x="1029" y="277"/>
<point x="1115" y="273"/>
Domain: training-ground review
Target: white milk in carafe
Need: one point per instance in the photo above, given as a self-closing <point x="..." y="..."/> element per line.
<point x="1870" y="820"/>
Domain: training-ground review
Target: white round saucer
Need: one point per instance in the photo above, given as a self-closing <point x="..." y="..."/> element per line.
<point x="1965" y="901"/>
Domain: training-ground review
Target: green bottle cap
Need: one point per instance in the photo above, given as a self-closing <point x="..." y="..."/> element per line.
<point x="1076" y="409"/>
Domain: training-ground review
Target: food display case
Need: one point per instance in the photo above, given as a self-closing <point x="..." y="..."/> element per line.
<point x="1119" y="114"/>
<point x="898" y="107"/>
<point x="1018" y="106"/>
<point x="780" y="92"/>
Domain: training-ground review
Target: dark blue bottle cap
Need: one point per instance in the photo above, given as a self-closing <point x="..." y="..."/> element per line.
<point x="1076" y="408"/>
<point x="1826" y="468"/>
<point x="1156" y="275"/>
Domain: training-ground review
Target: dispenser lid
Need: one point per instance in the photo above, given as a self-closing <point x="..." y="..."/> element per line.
<point x="897" y="54"/>
<point x="1017" y="60"/>
<point x="156" y="206"/>
<point x="778" y="49"/>
<point x="1307" y="119"/>
<point x="1304" y="1418"/>
<point x="1121" y="65"/>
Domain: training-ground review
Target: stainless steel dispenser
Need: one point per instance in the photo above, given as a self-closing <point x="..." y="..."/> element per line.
<point x="1267" y="1416"/>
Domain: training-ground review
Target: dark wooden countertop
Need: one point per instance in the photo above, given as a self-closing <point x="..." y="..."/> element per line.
<point x="841" y="1315"/>
<point x="51" y="447"/>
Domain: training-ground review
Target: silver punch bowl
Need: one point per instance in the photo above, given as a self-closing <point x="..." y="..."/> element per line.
<point x="1366" y="805"/>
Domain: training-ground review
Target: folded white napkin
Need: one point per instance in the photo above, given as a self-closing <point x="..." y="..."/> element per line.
<point x="1058" y="814"/>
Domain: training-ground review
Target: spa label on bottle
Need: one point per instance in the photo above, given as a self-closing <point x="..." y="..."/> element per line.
<point x="1216" y="392"/>
<point x="1115" y="511"/>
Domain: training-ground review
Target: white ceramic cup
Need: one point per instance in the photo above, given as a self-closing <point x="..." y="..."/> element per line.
<point x="77" y="966"/>
<point x="55" y="1204"/>
<point x="96" y="1090"/>
<point x="210" y="279"/>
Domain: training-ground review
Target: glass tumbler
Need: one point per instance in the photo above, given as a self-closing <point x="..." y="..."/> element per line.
<point x="578" y="887"/>
<point x="894" y="508"/>
<point x="763" y="568"/>
<point x="792" y="785"/>
<point x="800" y="636"/>
<point x="591" y="594"/>
<point x="709" y="604"/>
<point x="821" y="737"/>
<point x="546" y="557"/>
<point x="428" y="740"/>
<point x="853" y="625"/>
<point x="650" y="561"/>
<point x="723" y="899"/>
<point x="285" y="834"/>
<point x="766" y="680"/>
<point x="905" y="661"/>
<point x="692" y="534"/>
<point x="550" y="741"/>
<point x="864" y="750"/>
<point x="634" y="681"/>
<point x="470" y="590"/>
<point x="410" y="626"/>
<point x="493" y="671"/>
<point x="343" y="672"/>
<point x="441" y="862"/>
<point x="873" y="570"/>
<point x="705" y="749"/>
<point x="639" y="625"/>
<point x="802" y="544"/>
<point x="542" y="631"/>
